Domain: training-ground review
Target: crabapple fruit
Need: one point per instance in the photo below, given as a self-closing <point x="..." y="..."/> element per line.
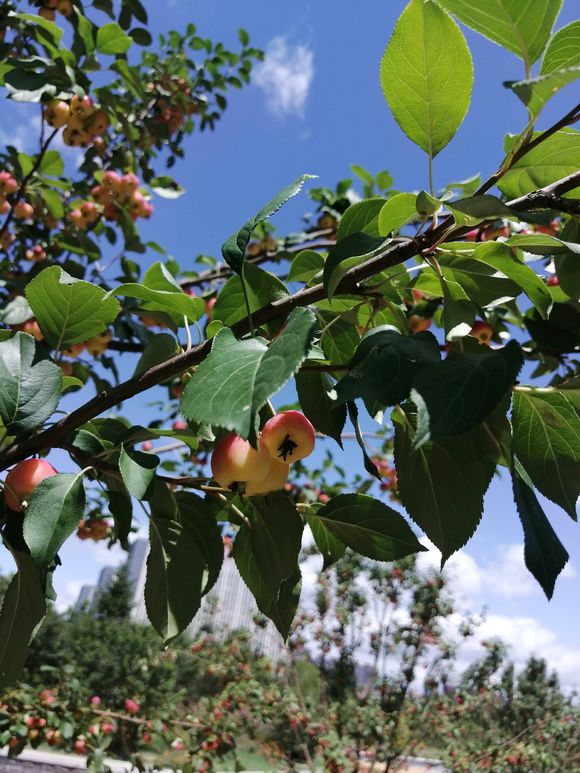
<point x="23" y="479"/>
<point x="56" y="113"/>
<point x="31" y="327"/>
<point x="274" y="480"/>
<point x="481" y="330"/>
<point x="23" y="210"/>
<point x="289" y="436"/>
<point x="235" y="460"/>
<point x="418" y="323"/>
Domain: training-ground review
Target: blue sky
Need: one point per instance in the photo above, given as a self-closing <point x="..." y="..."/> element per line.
<point x="317" y="107"/>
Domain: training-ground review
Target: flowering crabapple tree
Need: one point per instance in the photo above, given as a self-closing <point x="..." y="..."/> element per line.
<point x="424" y="309"/>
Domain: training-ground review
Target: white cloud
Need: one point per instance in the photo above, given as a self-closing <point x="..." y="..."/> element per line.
<point x="285" y="76"/>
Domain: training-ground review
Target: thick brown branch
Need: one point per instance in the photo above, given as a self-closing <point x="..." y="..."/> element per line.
<point x="394" y="254"/>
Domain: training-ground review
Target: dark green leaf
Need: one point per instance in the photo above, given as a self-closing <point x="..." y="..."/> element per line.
<point x="233" y="383"/>
<point x="319" y="408"/>
<point x="23" y="609"/>
<point x="262" y="287"/>
<point x="535" y="92"/>
<point x="138" y="471"/>
<point x="161" y="347"/>
<point x="175" y="567"/>
<point x="31" y="386"/>
<point x="368" y="463"/>
<point x="544" y="554"/>
<point x="442" y="484"/>
<point x="266" y="553"/>
<point x="305" y="266"/>
<point x="458" y="393"/>
<point x="547" y="442"/>
<point x="499" y="256"/>
<point x="385" y="364"/>
<point x="55" y="508"/>
<point x="361" y="217"/>
<point x="347" y="253"/>
<point x="201" y="521"/>
<point x="234" y="248"/>
<point x="69" y="311"/>
<point x="366" y="525"/>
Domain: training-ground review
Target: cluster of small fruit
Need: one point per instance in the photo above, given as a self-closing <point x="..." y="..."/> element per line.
<point x="49" y="8"/>
<point x="94" y="528"/>
<point x="286" y="437"/>
<point x="172" y="104"/>
<point x="83" y="123"/>
<point x="24" y="210"/>
<point x="389" y="477"/>
<point x="115" y="194"/>
<point x="265" y="245"/>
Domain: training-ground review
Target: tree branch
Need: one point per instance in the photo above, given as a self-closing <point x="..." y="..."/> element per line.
<point x="393" y="254"/>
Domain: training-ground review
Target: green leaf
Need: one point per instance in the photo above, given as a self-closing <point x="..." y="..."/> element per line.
<point x="361" y="217"/>
<point x="235" y="381"/>
<point x="86" y="31"/>
<point x="365" y="525"/>
<point x="499" y="256"/>
<point x="160" y="348"/>
<point x="458" y="393"/>
<point x="161" y="292"/>
<point x="69" y="311"/>
<point x="339" y="341"/>
<point x="426" y="75"/>
<point x="385" y="364"/>
<point x="234" y="248"/>
<point x="31" y="385"/>
<point x="544" y="554"/>
<point x="397" y="212"/>
<point x="563" y="49"/>
<point x="554" y="158"/>
<point x="522" y="28"/>
<point x="348" y="252"/>
<point x="262" y="288"/>
<point x="52" y="164"/>
<point x="480" y="283"/>
<point x="558" y="334"/>
<point x="305" y="266"/>
<point x="547" y="442"/>
<point x="476" y="209"/>
<point x="54" y="510"/>
<point x="15" y="311"/>
<point x="201" y="521"/>
<point x="443" y="483"/>
<point x="542" y="244"/>
<point x="23" y="609"/>
<point x="266" y="554"/>
<point x="458" y="310"/>
<point x="427" y="205"/>
<point x="567" y="264"/>
<point x="53" y="29"/>
<point x="112" y="40"/>
<point x="535" y="92"/>
<point x="175" y="567"/>
<point x="319" y="408"/>
<point x="138" y="471"/>
<point x="330" y="547"/>
<point x="121" y="508"/>
<point x="166" y="187"/>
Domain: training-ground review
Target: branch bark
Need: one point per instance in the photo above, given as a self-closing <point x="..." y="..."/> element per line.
<point x="392" y="255"/>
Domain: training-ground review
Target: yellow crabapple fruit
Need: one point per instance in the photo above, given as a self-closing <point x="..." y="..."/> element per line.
<point x="288" y="436"/>
<point x="274" y="480"/>
<point x="56" y="113"/>
<point x="234" y="460"/>
<point x="98" y="344"/>
<point x="23" y="479"/>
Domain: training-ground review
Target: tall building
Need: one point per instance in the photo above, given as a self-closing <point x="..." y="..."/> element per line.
<point x="228" y="607"/>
